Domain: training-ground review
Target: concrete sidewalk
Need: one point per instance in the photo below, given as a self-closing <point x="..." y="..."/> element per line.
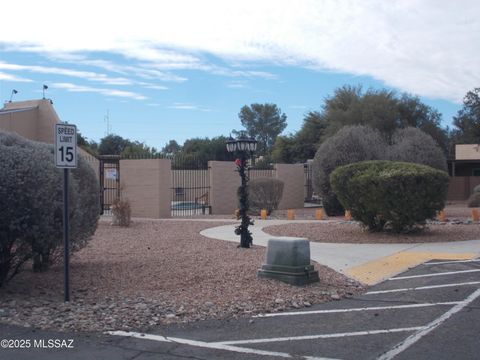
<point x="368" y="263"/>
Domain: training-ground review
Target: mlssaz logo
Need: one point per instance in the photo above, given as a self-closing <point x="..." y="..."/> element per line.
<point x="53" y="343"/>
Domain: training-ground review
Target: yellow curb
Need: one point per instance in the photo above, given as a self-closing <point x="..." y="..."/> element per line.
<point x="377" y="270"/>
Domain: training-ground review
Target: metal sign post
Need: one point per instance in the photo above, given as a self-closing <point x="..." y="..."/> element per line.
<point x="66" y="158"/>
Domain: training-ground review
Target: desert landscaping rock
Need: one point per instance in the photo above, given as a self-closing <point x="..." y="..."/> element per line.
<point x="352" y="232"/>
<point x="157" y="272"/>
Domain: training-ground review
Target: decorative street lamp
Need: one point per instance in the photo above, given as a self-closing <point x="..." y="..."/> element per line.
<point x="243" y="147"/>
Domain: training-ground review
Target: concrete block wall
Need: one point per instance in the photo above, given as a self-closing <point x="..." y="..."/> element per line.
<point x="292" y="176"/>
<point x="224" y="182"/>
<point x="461" y="187"/>
<point x="147" y="185"/>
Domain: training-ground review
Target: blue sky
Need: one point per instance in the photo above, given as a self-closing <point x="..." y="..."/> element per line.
<point x="183" y="69"/>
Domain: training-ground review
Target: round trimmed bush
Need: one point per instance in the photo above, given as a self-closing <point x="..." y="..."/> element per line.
<point x="351" y="144"/>
<point x="413" y="145"/>
<point x="474" y="200"/>
<point x="390" y="195"/>
<point x="32" y="204"/>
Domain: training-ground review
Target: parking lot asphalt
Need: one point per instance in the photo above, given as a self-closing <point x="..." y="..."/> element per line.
<point x="431" y="311"/>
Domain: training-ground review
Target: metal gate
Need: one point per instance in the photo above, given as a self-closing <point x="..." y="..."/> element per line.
<point x="190" y="192"/>
<point x="109" y="170"/>
<point x="310" y="195"/>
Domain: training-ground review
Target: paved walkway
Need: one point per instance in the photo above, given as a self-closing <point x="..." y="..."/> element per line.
<point x="368" y="263"/>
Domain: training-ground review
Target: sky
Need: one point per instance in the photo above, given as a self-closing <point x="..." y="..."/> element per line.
<point x="161" y="70"/>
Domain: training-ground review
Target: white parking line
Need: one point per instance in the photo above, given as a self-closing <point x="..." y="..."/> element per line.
<point x="332" y="311"/>
<point x="434" y="274"/>
<point x="319" y="336"/>
<point x="202" y="344"/>
<point x="402" y="346"/>
<point x="422" y="288"/>
<point x="450" y="262"/>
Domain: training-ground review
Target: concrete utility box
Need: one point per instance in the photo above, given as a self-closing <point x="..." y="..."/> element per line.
<point x="289" y="261"/>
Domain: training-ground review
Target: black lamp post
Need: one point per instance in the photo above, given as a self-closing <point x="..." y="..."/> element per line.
<point x="243" y="146"/>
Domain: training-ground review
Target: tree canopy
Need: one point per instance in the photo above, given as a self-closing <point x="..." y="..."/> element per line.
<point x="302" y="145"/>
<point x="209" y="149"/>
<point x="264" y="122"/>
<point x="171" y="148"/>
<point x="116" y="145"/>
<point x="382" y="109"/>
<point x="467" y="121"/>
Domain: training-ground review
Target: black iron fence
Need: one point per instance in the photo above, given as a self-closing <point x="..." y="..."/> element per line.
<point x="109" y="175"/>
<point x="190" y="193"/>
<point x="309" y="192"/>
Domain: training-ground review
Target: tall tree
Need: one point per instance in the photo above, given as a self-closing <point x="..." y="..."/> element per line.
<point x="414" y="113"/>
<point x="89" y="146"/>
<point x="467" y="121"/>
<point x="112" y="145"/>
<point x="171" y="148"/>
<point x="303" y="145"/>
<point x="116" y="145"/>
<point x="138" y="149"/>
<point x="264" y="122"/>
<point x="206" y="149"/>
<point x="382" y="109"/>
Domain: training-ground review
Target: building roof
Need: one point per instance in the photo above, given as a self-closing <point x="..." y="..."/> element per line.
<point x="10" y="111"/>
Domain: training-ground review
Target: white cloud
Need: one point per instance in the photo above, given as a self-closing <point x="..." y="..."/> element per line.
<point x="153" y="86"/>
<point x="428" y="47"/>
<point x="87" y="75"/>
<point x="10" y="77"/>
<point x="146" y="71"/>
<point x="188" y="106"/>
<point x="107" y="92"/>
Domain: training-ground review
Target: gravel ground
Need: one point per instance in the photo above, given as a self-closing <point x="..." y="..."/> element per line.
<point x="458" y="227"/>
<point x="352" y="232"/>
<point x="154" y="273"/>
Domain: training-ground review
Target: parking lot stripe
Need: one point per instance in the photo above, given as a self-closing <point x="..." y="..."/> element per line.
<point x="402" y="346"/>
<point x="202" y="344"/>
<point x="451" y="262"/>
<point x="139" y="335"/>
<point x="320" y="336"/>
<point x="375" y="271"/>
<point x="373" y="308"/>
<point x="434" y="274"/>
<point x="422" y="288"/>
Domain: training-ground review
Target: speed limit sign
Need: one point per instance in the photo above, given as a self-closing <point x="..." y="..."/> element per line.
<point x="66" y="158"/>
<point x="65" y="146"/>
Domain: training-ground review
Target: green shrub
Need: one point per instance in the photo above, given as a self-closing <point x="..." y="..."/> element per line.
<point x="390" y="195"/>
<point x="264" y="193"/>
<point x="361" y="143"/>
<point x="351" y="144"/>
<point x="32" y="204"/>
<point x="474" y="200"/>
<point x="415" y="146"/>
